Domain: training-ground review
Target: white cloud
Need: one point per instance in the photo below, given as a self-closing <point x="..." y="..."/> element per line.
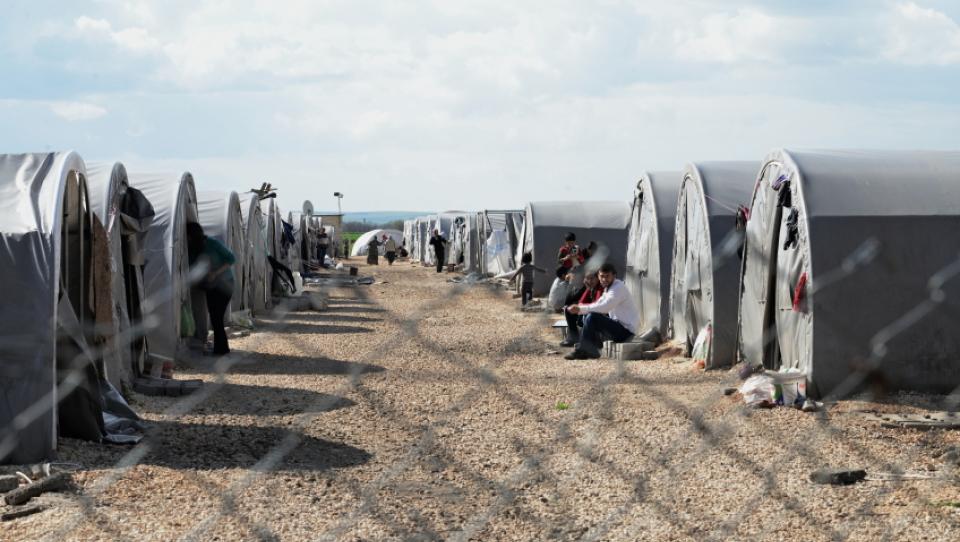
<point x="921" y="36"/>
<point x="77" y="111"/>
<point x="744" y="36"/>
<point x="132" y="39"/>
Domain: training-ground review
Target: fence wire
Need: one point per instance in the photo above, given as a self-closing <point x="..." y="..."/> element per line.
<point x="598" y="403"/>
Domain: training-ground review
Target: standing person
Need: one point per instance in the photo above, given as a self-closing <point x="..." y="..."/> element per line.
<point x="569" y="255"/>
<point x="323" y="242"/>
<point x="217" y="284"/>
<point x="525" y="272"/>
<point x="390" y="248"/>
<point x="439" y="243"/>
<point x="612" y="317"/>
<point x="373" y="251"/>
<point x="589" y="293"/>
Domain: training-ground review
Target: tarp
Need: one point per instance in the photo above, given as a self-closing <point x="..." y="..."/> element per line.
<point x="650" y="247"/>
<point x="256" y="248"/>
<point x="126" y="214"/>
<point x="222" y="219"/>
<point x="360" y="247"/>
<point x="166" y="271"/>
<point x="705" y="268"/>
<point x="842" y="245"/>
<point x="546" y="223"/>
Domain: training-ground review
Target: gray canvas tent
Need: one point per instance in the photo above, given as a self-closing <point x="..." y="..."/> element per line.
<point x="546" y="223"/>
<point x="126" y="214"/>
<point x="705" y="268"/>
<point x="255" y="250"/>
<point x="650" y="247"/>
<point x="408" y="229"/>
<point x="57" y="308"/>
<point x="222" y="219"/>
<point x="169" y="296"/>
<point x="842" y="245"/>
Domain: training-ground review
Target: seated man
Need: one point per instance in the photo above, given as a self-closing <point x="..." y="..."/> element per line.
<point x="589" y="293"/>
<point x="613" y="316"/>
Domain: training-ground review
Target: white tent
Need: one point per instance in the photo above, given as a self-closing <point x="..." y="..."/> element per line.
<point x="126" y="215"/>
<point x="546" y="223"/>
<point x="255" y="251"/>
<point x="360" y="247"/>
<point x="705" y="268"/>
<point x="57" y="296"/>
<point x="650" y="247"/>
<point x="500" y="232"/>
<point x="222" y="219"/>
<point x="841" y="245"/>
<point x="169" y="296"/>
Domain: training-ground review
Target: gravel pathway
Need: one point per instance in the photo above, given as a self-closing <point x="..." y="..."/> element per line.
<point x="419" y="409"/>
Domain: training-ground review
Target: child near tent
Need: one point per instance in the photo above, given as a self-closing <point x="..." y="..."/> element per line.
<point x="560" y="289"/>
<point x="525" y="271"/>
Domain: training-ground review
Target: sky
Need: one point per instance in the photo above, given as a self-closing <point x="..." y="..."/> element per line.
<point x="457" y="104"/>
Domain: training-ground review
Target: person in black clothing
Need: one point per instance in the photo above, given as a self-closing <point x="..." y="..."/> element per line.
<point x="323" y="242"/>
<point x="439" y="246"/>
<point x="217" y="262"/>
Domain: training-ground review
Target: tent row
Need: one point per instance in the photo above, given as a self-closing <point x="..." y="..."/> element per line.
<point x="99" y="292"/>
<point x="482" y="243"/>
<point x="831" y="264"/>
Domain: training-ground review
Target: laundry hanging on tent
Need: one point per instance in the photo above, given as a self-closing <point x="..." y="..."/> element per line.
<point x="784" y="196"/>
<point x="799" y="292"/>
<point x="793" y="230"/>
<point x="779" y="182"/>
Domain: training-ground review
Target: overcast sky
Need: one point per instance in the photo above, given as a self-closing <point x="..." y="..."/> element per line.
<point x="430" y="105"/>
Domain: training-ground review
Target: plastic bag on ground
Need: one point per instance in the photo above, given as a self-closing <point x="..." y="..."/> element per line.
<point x="757" y="391"/>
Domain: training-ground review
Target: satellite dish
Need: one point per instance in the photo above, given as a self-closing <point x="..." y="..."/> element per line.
<point x="308" y="208"/>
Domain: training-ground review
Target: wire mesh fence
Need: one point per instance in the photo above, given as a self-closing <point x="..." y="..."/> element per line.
<point x="703" y="426"/>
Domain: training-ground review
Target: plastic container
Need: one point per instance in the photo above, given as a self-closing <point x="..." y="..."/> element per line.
<point x="792" y="385"/>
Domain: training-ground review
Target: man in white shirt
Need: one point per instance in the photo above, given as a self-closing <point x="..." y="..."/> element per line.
<point x="612" y="317"/>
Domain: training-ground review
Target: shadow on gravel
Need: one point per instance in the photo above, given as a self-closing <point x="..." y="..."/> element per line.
<point x="319" y="328"/>
<point x="350" y="308"/>
<point x="201" y="446"/>
<point x="280" y="364"/>
<point x="343" y="318"/>
<point x="269" y="401"/>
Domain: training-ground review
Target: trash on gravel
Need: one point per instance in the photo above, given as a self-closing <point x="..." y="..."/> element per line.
<point x="837" y="477"/>
<point x="931" y="420"/>
<point x="21" y="512"/>
<point x="758" y="391"/>
<point x="54" y="482"/>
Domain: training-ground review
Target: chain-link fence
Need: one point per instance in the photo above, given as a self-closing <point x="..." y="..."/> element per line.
<point x="709" y="426"/>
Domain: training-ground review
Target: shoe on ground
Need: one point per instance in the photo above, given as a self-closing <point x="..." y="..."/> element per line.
<point x="568" y="342"/>
<point x="580" y="354"/>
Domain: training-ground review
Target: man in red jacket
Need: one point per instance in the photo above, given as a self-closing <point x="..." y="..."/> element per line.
<point x="590" y="293"/>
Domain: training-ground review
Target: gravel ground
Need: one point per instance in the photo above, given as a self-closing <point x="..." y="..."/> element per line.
<point x="419" y="409"/>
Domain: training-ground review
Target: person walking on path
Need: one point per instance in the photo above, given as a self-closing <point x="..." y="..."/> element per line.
<point x="323" y="242"/>
<point x="612" y="317"/>
<point x="218" y="282"/>
<point x="525" y="271"/>
<point x="373" y="251"/>
<point x="439" y="243"/>
<point x="390" y="248"/>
